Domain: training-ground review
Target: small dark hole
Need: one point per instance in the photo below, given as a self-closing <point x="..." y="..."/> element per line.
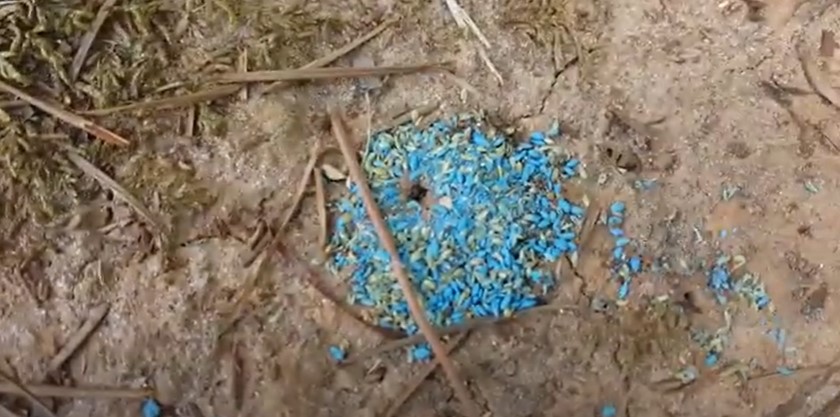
<point x="417" y="192"/>
<point x="609" y="152"/>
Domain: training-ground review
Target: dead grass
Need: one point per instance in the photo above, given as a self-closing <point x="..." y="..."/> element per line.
<point x="144" y="50"/>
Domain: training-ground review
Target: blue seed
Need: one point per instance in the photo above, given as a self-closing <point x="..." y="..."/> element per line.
<point x="608" y="411"/>
<point x="711" y="359"/>
<point x="635" y="264"/>
<point x="421" y="353"/>
<point x="150" y="408"/>
<point x="337" y="354"/>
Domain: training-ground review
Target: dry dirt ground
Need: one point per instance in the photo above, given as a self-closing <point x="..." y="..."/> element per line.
<point x="687" y="87"/>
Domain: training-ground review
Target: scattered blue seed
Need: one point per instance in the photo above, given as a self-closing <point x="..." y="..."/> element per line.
<point x="784" y="371"/>
<point x="617" y="208"/>
<point x="421" y="353"/>
<point x="608" y="411"/>
<point x="711" y="359"/>
<point x="150" y="408"/>
<point x="337" y="354"/>
<point x="624" y="290"/>
<point x="635" y="264"/>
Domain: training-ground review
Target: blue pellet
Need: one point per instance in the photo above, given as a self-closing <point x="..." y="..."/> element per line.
<point x="421" y="353"/>
<point x="617" y="208"/>
<point x="608" y="411"/>
<point x="711" y="359"/>
<point x="635" y="264"/>
<point x="337" y="354"/>
<point x="150" y="408"/>
<point x="622" y="241"/>
<point x="624" y="290"/>
<point x="538" y="138"/>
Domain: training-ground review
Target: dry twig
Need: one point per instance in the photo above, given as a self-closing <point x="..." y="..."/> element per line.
<point x="60" y="391"/>
<point x="72" y="119"/>
<point x="5" y="412"/>
<point x="408" y="116"/>
<point x="817" y="78"/>
<point x="321" y="197"/>
<point x="805" y="391"/>
<point x="463" y="20"/>
<point x="325" y="73"/>
<point x="107" y="182"/>
<point x="459" y="328"/>
<point x="388" y="243"/>
<point x="422" y="376"/>
<point x="169" y="102"/>
<point x="314" y="278"/>
<point x="272" y="240"/>
<point x="23" y="391"/>
<point x="237" y="312"/>
<point x="96" y="315"/>
<point x="90" y="36"/>
<point x="338" y="53"/>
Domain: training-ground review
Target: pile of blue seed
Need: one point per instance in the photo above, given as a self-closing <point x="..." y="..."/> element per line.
<point x="478" y="219"/>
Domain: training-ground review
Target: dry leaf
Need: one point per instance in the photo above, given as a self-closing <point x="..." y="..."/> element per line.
<point x="4" y="117"/>
<point x="332" y="173"/>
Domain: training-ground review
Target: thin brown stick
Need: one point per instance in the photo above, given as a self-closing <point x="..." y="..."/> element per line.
<point x="387" y="241"/>
<point x="169" y="102"/>
<point x="271" y="240"/>
<point x="445" y="331"/>
<point x="408" y="116"/>
<point x="321" y="202"/>
<point x="340" y="52"/>
<point x="96" y="315"/>
<point x="90" y="36"/>
<point x="420" y="377"/>
<point x="315" y="278"/>
<point x="59" y="391"/>
<point x="324" y="73"/>
<point x="24" y="392"/>
<point x="10" y="104"/>
<point x="248" y="288"/>
<point x="72" y="119"/>
<point x="107" y="182"/>
<point x="817" y="78"/>
<point x="5" y="412"/>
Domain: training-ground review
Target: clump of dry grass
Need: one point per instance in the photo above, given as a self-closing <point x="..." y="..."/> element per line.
<point x="143" y="50"/>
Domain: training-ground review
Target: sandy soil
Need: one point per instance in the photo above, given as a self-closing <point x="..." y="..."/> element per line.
<point x="686" y="81"/>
